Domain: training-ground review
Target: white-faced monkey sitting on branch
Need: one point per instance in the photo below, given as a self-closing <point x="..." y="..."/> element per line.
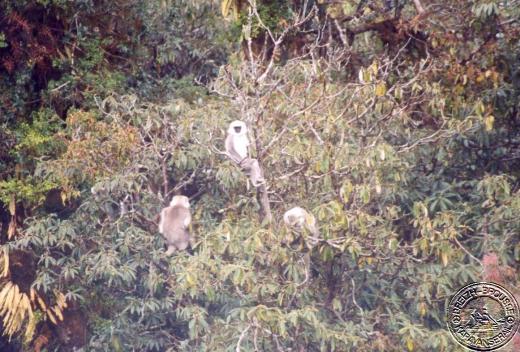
<point x="237" y="145"/>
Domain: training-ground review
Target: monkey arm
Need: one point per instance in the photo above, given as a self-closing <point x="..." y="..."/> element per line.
<point x="161" y="222"/>
<point x="187" y="221"/>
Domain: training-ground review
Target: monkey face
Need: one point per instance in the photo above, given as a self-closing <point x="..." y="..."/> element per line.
<point x="237" y="128"/>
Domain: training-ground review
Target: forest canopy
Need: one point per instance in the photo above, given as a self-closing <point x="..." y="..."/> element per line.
<point x="394" y="123"/>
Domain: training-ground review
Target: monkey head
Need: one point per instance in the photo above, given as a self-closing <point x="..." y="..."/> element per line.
<point x="181" y="201"/>
<point x="237" y="128"/>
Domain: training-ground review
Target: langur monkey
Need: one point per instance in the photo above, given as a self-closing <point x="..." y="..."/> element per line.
<point x="237" y="142"/>
<point x="174" y="223"/>
<point x="237" y="145"/>
<point x="298" y="219"/>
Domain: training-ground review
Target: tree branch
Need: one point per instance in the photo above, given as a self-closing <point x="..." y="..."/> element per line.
<point x="418" y="7"/>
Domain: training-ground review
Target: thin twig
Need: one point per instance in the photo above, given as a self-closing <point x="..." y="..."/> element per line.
<point x="242" y="336"/>
<point x="467" y="252"/>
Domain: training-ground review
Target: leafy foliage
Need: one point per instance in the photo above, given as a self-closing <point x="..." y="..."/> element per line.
<point x="396" y="128"/>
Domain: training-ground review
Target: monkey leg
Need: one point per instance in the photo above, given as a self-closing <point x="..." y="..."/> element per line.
<point x="182" y="245"/>
<point x="251" y="167"/>
<point x="171" y="250"/>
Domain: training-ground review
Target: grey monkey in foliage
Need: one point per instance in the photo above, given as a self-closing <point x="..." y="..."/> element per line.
<point x="237" y="145"/>
<point x="298" y="219"/>
<point x="174" y="223"/>
<point x="237" y="142"/>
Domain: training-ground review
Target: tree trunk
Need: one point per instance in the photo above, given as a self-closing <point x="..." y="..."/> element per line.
<point x="265" y="207"/>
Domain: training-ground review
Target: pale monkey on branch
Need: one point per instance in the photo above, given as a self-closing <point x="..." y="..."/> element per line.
<point x="300" y="220"/>
<point x="237" y="144"/>
<point x="173" y="225"/>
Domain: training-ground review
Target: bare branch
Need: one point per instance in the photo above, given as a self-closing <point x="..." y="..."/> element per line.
<point x="242" y="336"/>
<point x="418" y="7"/>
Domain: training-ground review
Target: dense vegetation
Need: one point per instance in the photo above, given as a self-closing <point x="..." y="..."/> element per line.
<point x="396" y="123"/>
